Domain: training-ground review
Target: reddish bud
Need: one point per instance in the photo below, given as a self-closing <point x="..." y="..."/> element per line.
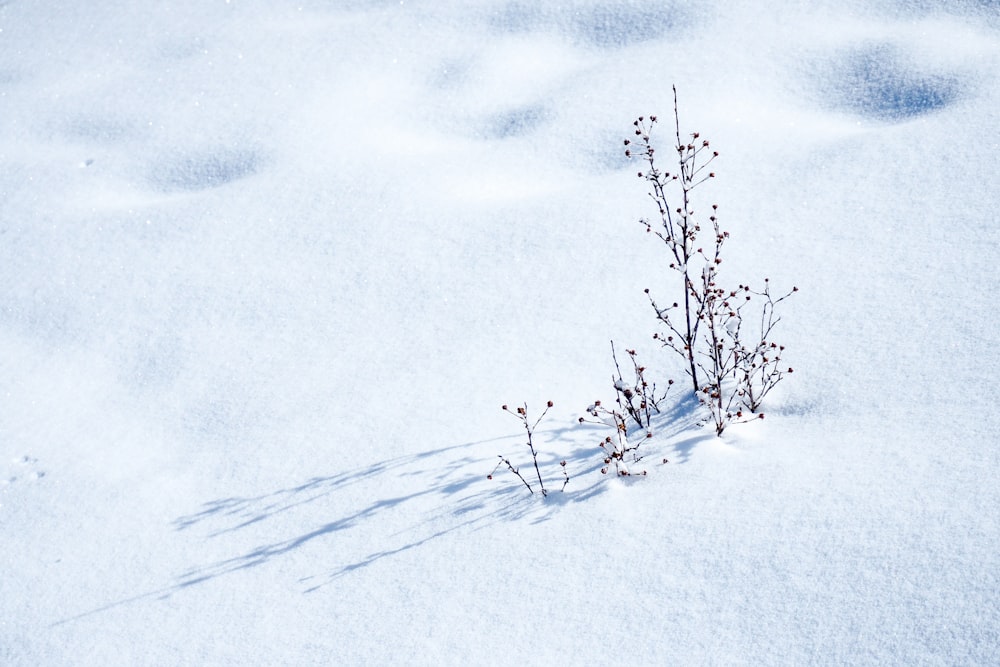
<point x="489" y="477"/>
<point x="504" y="407"/>
<point x="549" y="404"/>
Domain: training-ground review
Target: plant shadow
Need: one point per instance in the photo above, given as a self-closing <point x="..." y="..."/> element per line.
<point x="436" y="493"/>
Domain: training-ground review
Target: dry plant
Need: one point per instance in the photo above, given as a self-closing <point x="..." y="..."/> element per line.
<point x="522" y="415"/>
<point x="731" y="368"/>
<point x="617" y="449"/>
<point x="638" y="398"/>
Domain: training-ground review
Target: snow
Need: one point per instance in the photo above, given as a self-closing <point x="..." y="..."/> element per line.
<point x="269" y="271"/>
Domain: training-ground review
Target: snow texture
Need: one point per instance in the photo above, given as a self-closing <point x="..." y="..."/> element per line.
<point x="269" y="269"/>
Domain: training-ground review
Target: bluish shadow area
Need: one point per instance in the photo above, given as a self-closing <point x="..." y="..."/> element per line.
<point x="200" y="171"/>
<point x="515" y="123"/>
<point x="605" y="25"/>
<point x="433" y="493"/>
<point x="874" y="82"/>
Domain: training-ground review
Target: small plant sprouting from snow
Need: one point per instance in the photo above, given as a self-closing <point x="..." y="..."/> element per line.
<point x="731" y="367"/>
<point x="618" y="450"/>
<point x="521" y="412"/>
<point x="638" y="398"/>
<point x="722" y="336"/>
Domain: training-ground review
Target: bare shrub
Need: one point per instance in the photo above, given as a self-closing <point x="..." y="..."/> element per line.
<point x="731" y="367"/>
<point x="522" y="415"/>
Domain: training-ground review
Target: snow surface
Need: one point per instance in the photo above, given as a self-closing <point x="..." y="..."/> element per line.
<point x="269" y="270"/>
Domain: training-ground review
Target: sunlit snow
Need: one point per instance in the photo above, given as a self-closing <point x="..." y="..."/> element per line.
<point x="268" y="270"/>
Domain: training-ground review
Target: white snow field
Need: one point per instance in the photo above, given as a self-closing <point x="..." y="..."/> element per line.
<point x="268" y="270"/>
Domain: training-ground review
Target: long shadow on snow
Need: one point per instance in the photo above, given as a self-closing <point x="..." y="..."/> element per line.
<point x="467" y="499"/>
<point x="454" y="475"/>
<point x="469" y="502"/>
